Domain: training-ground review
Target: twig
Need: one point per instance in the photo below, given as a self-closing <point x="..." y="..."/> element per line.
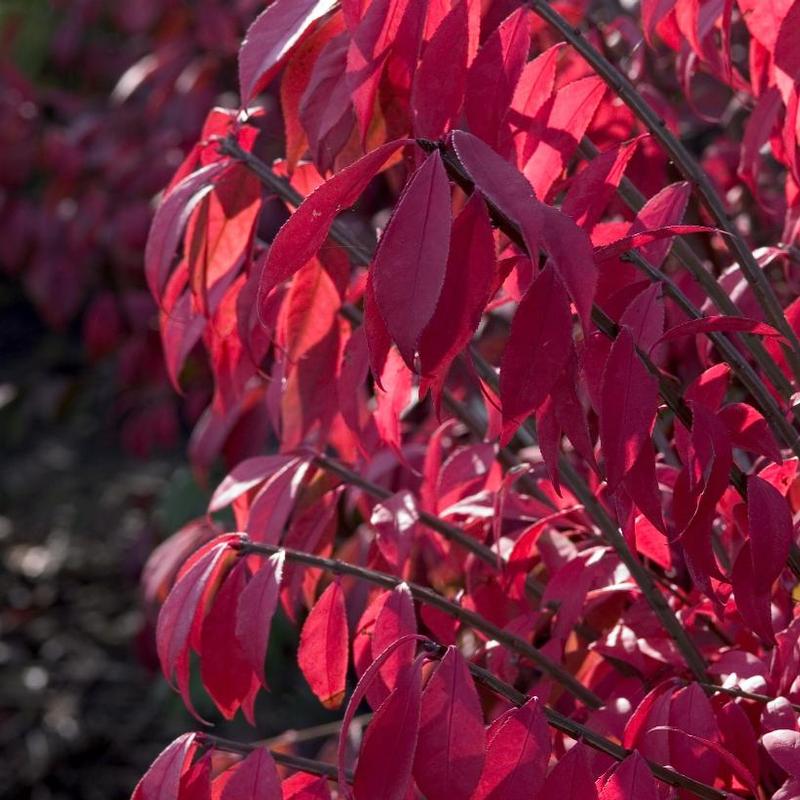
<point x="432" y="598"/>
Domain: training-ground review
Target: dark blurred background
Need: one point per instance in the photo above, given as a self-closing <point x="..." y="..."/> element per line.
<point x="99" y="102"/>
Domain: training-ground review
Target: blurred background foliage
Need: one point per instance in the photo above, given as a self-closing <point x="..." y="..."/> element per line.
<point x="99" y="101"/>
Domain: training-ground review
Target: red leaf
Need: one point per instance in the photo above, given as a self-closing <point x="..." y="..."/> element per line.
<point x="370" y="47"/>
<point x="364" y="683"/>
<point x="644" y="317"/>
<point x="517" y="756"/>
<point x="563" y="123"/>
<point x="494" y="73"/>
<point x="308" y="335"/>
<point x="323" y="651"/>
<point x="392" y="399"/>
<point x="185" y="606"/>
<point x="570" y="250"/>
<point x="753" y="605"/>
<point x="787" y="57"/>
<point x="394" y="520"/>
<point x="749" y="430"/>
<point x="738" y="768"/>
<point x="303" y="233"/>
<point x="629" y="398"/>
<point x="302" y="786"/>
<point x="631" y="780"/>
<point x="256" y="778"/>
<point x="169" y="221"/>
<point x="410" y="263"/>
<point x="645" y="238"/>
<point x="163" y="777"/>
<point x="769" y="522"/>
<point x="246" y="475"/>
<point x="468" y="284"/>
<point x="538" y="348"/>
<point x="570" y="778"/>
<point x="665" y="208"/>
<point x="594" y="188"/>
<point x="718" y="324"/>
<point x="257" y="604"/>
<point x="387" y="753"/>
<point x="225" y="673"/>
<point x="451" y="748"/>
<point x="273" y="34"/>
<point x="325" y="110"/>
<point x="396" y="619"/>
<point x="273" y="505"/>
<point x="441" y="76"/>
<point x="502" y="184"/>
<point x="220" y="232"/>
<point x="758" y="128"/>
<point x="533" y="90"/>
<point x="705" y="481"/>
<point x="653" y="11"/>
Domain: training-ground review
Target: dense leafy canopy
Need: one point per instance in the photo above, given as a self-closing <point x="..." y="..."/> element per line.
<point x="507" y="402"/>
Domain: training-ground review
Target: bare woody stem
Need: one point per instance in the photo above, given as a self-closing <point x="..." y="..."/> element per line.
<point x="285" y="759"/>
<point x="432" y="598"/>
<point x="556" y="720"/>
<point x="688" y="166"/>
<point x="449" y="531"/>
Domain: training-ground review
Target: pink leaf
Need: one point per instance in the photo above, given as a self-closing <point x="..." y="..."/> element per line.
<point x="257" y="604"/>
<point x="452" y="740"/>
<point x="517" y="756"/>
<point x="409" y="266"/>
<point x="323" y="651"/>
<point x="667" y="207"/>
<point x="370" y="47"/>
<point x="273" y="34"/>
<point x="533" y="90"/>
<point x="783" y="747"/>
<point x="184" y="608"/>
<point x="394" y="520"/>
